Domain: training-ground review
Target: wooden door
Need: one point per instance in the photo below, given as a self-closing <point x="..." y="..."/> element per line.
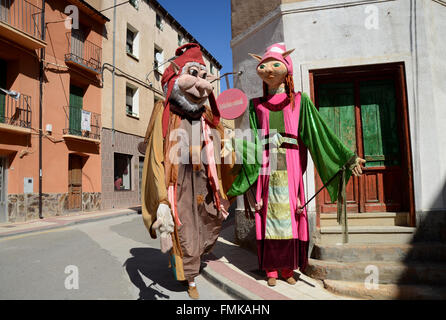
<point x="336" y="102"/>
<point x="74" y="182"/>
<point x="363" y="112"/>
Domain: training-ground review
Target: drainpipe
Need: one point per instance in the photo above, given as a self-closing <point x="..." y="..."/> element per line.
<point x="42" y="58"/>
<point x="113" y="74"/>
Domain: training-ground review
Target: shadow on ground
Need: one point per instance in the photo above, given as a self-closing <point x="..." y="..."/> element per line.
<point x="151" y="263"/>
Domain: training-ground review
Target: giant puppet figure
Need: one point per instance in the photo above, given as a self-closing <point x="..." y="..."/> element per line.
<point x="182" y="189"/>
<point x="285" y="125"/>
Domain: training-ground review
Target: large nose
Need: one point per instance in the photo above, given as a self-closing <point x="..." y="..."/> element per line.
<point x="204" y="87"/>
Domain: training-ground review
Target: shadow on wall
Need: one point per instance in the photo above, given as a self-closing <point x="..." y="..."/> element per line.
<point x="424" y="275"/>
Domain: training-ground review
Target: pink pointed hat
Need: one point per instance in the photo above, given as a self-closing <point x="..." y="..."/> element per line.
<point x="275" y="51"/>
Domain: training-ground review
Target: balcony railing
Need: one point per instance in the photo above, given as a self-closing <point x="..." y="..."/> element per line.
<point x="23" y="16"/>
<point x="15" y="112"/>
<point x="83" y="52"/>
<point x="82" y="123"/>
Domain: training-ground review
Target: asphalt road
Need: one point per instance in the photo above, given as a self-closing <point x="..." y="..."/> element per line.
<point x="107" y="259"/>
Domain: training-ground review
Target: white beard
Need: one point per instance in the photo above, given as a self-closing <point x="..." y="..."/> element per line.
<point x="181" y="103"/>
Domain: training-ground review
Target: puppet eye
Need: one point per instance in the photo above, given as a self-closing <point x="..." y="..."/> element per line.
<point x="262" y="66"/>
<point x="276" y="65"/>
<point x="204" y="75"/>
<point x="193" y="72"/>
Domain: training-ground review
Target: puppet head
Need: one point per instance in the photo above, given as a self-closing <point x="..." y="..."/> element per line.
<point x="186" y="87"/>
<point x="275" y="67"/>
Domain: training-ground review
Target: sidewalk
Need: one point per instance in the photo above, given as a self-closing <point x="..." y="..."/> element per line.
<point x="235" y="270"/>
<point x="10" y="229"/>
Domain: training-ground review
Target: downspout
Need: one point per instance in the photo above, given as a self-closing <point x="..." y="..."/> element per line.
<point x="42" y="58"/>
<point x="113" y="74"/>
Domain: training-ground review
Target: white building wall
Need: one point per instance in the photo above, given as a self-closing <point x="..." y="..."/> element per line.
<point x="333" y="33"/>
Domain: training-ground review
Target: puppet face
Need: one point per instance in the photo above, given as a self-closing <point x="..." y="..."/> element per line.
<point x="273" y="72"/>
<point x="191" y="89"/>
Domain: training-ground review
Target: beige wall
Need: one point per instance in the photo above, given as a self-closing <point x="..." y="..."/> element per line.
<point x="143" y="20"/>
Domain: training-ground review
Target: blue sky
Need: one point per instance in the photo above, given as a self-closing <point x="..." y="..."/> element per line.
<point x="210" y="23"/>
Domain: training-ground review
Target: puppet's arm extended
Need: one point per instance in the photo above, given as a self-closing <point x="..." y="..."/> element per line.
<point x="154" y="193"/>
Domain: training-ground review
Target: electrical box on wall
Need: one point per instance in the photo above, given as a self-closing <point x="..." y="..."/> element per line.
<point x="28" y="185"/>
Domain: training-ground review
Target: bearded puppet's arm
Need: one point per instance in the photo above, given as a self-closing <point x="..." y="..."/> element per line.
<point x="153" y="186"/>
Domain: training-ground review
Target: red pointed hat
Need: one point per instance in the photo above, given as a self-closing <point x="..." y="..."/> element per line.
<point x="190" y="52"/>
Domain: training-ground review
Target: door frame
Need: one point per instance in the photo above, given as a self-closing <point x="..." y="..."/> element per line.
<point x="81" y="158"/>
<point x="394" y="69"/>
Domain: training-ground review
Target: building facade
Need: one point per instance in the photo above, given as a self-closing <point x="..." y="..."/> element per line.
<point x="141" y="37"/>
<point x="375" y="71"/>
<point x="50" y="105"/>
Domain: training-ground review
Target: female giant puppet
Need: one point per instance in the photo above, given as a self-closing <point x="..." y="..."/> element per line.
<point x="285" y="125"/>
<point x="182" y="189"/>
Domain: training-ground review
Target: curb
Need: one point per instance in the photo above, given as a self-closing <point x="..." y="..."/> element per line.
<point x="228" y="286"/>
<point x="125" y="212"/>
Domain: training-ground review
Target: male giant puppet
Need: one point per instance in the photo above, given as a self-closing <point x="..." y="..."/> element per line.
<point x="182" y="189"/>
<point x="285" y="125"/>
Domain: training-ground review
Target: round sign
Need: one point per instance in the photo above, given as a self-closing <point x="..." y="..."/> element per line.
<point x="232" y="103"/>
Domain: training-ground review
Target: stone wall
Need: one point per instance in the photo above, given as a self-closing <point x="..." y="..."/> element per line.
<point x="25" y="207"/>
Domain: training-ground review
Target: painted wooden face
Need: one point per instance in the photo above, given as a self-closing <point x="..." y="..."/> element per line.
<point x="273" y="72"/>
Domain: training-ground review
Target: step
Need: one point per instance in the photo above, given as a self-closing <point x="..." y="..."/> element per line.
<point x="433" y="251"/>
<point x="387" y="272"/>
<point x="386" y="291"/>
<point x="367" y="219"/>
<point x="367" y="234"/>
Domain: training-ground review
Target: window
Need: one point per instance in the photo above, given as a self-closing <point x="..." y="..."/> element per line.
<point x="159" y="60"/>
<point x="212" y="68"/>
<point x="159" y="22"/>
<point x="180" y="39"/>
<point x="132" y="100"/>
<point x="132" y="43"/>
<point x="122" y="171"/>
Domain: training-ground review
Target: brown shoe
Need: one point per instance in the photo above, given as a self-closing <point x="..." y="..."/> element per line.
<point x="291" y="280"/>
<point x="193" y="292"/>
<point x="271" y="282"/>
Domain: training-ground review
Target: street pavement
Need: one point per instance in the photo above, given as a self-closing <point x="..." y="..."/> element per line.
<point x="106" y="259"/>
<point x="109" y="255"/>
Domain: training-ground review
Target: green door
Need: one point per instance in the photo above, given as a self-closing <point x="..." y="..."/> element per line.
<point x="379" y="123"/>
<point x="363" y="114"/>
<point x="336" y="102"/>
<point x="3" y="86"/>
<point x="76" y="104"/>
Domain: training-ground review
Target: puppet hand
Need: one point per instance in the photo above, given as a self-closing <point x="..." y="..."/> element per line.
<point x="164" y="219"/>
<point x="356" y="168"/>
<point x="223" y="211"/>
<point x="258" y="206"/>
<point x="228" y="147"/>
<point x="299" y="209"/>
<point x="164" y="223"/>
<point x="166" y="242"/>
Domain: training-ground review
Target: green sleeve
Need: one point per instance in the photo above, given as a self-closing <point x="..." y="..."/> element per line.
<point x="251" y="154"/>
<point x="329" y="154"/>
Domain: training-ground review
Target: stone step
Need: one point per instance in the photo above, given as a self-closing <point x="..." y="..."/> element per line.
<point x="367" y="234"/>
<point x="367" y="219"/>
<point x="386" y="272"/>
<point x="386" y="291"/>
<point x="433" y="251"/>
